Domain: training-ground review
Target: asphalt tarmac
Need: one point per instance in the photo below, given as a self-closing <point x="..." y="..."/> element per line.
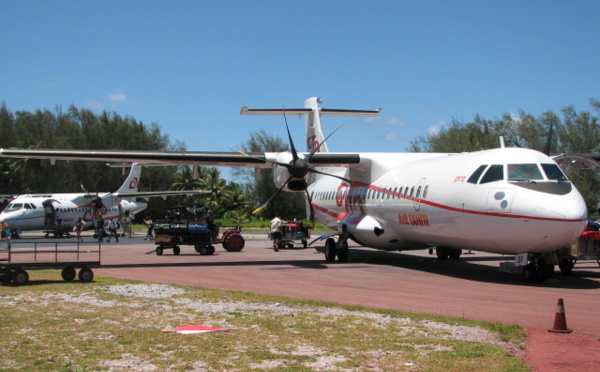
<point x="471" y="287"/>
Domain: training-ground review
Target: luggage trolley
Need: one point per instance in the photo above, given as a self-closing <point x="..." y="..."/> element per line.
<point x="26" y="255"/>
<point x="294" y="231"/>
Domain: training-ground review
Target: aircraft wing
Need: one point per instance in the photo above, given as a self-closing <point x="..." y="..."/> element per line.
<point x="225" y="159"/>
<point x="147" y="194"/>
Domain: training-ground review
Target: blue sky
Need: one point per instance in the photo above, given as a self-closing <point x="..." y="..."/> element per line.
<point x="190" y="66"/>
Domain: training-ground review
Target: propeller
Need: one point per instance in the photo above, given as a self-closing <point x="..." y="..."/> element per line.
<point x="96" y="200"/>
<point x="298" y="168"/>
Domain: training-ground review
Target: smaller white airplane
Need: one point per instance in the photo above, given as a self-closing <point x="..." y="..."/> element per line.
<point x="58" y="213"/>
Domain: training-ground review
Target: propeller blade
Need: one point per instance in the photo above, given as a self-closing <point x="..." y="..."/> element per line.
<point x="271" y="198"/>
<point x="320" y="144"/>
<point x="312" y="210"/>
<point x="294" y="153"/>
<point x="330" y="175"/>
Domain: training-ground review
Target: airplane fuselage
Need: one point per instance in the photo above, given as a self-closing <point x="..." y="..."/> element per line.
<point x="27" y="212"/>
<point x="504" y="200"/>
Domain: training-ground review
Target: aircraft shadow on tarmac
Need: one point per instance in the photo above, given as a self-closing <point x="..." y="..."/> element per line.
<point x="468" y="267"/>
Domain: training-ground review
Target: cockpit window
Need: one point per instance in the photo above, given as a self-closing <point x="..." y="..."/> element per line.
<point x="14" y="207"/>
<point x="523" y="172"/>
<point x="553" y="172"/>
<point x="475" y="176"/>
<point x="494" y="173"/>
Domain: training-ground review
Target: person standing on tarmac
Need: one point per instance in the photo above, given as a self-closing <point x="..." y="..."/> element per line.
<point x="78" y="228"/>
<point x="112" y="231"/>
<point x="276" y="224"/>
<point x="148" y="221"/>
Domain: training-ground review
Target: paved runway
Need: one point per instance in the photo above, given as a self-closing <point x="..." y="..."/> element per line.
<point x="471" y="287"/>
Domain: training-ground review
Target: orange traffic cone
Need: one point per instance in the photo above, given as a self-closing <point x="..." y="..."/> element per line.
<point x="560" y="321"/>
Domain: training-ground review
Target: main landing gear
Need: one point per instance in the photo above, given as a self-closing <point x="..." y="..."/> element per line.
<point x="539" y="268"/>
<point x="339" y="249"/>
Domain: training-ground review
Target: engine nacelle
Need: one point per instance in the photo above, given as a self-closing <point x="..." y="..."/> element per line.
<point x="281" y="174"/>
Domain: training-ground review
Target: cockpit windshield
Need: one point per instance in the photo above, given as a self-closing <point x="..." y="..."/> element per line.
<point x="553" y="172"/>
<point x="524" y="172"/>
<point x="13" y="207"/>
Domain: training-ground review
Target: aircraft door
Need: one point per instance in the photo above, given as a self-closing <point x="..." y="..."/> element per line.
<point x="49" y="212"/>
<point x="419" y="194"/>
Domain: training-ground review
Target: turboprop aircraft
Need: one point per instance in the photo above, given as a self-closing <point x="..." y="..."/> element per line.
<point x="511" y="201"/>
<point x="58" y="213"/>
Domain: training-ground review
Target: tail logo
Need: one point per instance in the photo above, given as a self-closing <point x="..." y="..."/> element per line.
<point x="134" y="183"/>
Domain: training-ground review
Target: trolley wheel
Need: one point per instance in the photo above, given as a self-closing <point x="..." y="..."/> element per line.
<point x="290" y="246"/>
<point x="211" y="249"/>
<point x="199" y="248"/>
<point x="304" y="243"/>
<point x="176" y="250"/>
<point x="234" y="243"/>
<point x="68" y="273"/>
<point x="159" y="251"/>
<point x="330" y="250"/>
<point x="86" y="275"/>
<point x="5" y="276"/>
<point x="205" y="250"/>
<point x="47" y="235"/>
<point x="20" y="277"/>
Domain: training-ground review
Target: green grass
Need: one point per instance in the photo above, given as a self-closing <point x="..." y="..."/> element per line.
<point x="51" y="325"/>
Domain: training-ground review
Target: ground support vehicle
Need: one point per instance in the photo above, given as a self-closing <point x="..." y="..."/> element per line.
<point x="57" y="231"/>
<point x="586" y="247"/>
<point x="197" y="233"/>
<point x="294" y="232"/>
<point x="68" y="256"/>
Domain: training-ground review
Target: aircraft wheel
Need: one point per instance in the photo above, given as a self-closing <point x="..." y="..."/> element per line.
<point x="304" y="243"/>
<point x="342" y="253"/>
<point x="566" y="266"/>
<point x="531" y="274"/>
<point x="176" y="250"/>
<point x="290" y="246"/>
<point x="68" y="273"/>
<point x="159" y="251"/>
<point x="454" y="253"/>
<point x="47" y="235"/>
<point x="20" y="277"/>
<point x="86" y="275"/>
<point x="442" y="253"/>
<point x="330" y="250"/>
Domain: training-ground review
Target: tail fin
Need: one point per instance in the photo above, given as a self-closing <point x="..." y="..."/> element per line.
<point x="133" y="180"/>
<point x="314" y="133"/>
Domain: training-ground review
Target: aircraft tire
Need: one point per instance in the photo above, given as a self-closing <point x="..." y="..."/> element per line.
<point x="566" y="266"/>
<point x="176" y="250"/>
<point x="68" y="273"/>
<point x="342" y="253"/>
<point x="454" y="253"/>
<point x="531" y="274"/>
<point x="86" y="275"/>
<point x="20" y="277"/>
<point x="330" y="250"/>
<point x="442" y="253"/>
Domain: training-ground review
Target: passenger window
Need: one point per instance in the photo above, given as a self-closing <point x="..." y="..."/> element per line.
<point x="494" y="173"/>
<point x="412" y="191"/>
<point x="425" y="192"/>
<point x="553" y="172"/>
<point x="523" y="172"/>
<point x="475" y="176"/>
<point x="418" y="192"/>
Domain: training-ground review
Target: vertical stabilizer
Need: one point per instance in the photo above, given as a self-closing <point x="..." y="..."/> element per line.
<point x="133" y="180"/>
<point x="314" y="131"/>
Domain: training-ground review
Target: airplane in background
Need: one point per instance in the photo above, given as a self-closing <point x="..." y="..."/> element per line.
<point x="512" y="201"/>
<point x="58" y="213"/>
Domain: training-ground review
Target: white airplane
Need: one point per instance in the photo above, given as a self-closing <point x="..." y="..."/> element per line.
<point x="511" y="201"/>
<point x="58" y="213"/>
